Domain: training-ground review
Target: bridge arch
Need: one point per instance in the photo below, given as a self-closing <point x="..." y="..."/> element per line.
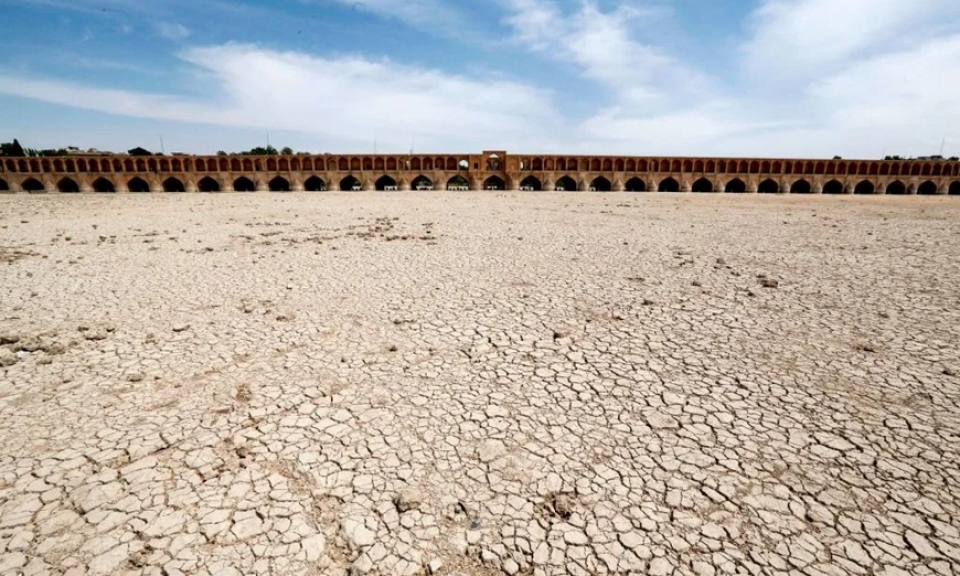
<point x="32" y="185"/>
<point x="833" y="187"/>
<point x="350" y="184"/>
<point x="208" y="184"/>
<point x="68" y="185"/>
<point x="954" y="189"/>
<point x="635" y="185"/>
<point x="173" y="185"/>
<point x="103" y="185"/>
<point x="928" y="188"/>
<point x="421" y="182"/>
<point x="668" y="185"/>
<point x="458" y="183"/>
<point x="896" y="188"/>
<point x="385" y="182"/>
<point x="244" y="184"/>
<point x="736" y="186"/>
<point x="768" y="186"/>
<point x="494" y="183"/>
<point x="566" y="184"/>
<point x="138" y="184"/>
<point x="279" y="184"/>
<point x="601" y="184"/>
<point x="865" y="187"/>
<point x="314" y="184"/>
<point x="531" y="183"/>
<point x="4" y="186"/>
<point x="801" y="187"/>
<point x="702" y="185"/>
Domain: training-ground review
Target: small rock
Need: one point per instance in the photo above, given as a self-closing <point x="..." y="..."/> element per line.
<point x="134" y="377"/>
<point x="9" y="338"/>
<point x="7" y="358"/>
<point x="435" y="565"/>
<point x="769" y="283"/>
<point x="95" y="335"/>
<point x="407" y="500"/>
<point x="181" y="327"/>
<point x="696" y="283"/>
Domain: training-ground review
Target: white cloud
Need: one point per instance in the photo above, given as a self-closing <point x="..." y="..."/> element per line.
<point x="173" y="31"/>
<point x="348" y="100"/>
<point x="417" y="12"/>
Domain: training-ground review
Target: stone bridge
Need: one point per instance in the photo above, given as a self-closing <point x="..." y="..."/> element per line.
<point x="490" y="170"/>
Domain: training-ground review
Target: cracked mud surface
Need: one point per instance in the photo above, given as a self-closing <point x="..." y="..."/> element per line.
<point x="479" y="384"/>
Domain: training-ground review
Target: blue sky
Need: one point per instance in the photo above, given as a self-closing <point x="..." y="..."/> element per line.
<point x="858" y="78"/>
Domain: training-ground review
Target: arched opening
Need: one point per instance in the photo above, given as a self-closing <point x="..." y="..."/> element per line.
<point x="68" y="185"/>
<point x="896" y="188"/>
<point x="138" y="184"/>
<point x="955" y="189"/>
<point x="354" y="164"/>
<point x="173" y="185"/>
<point x="342" y="165"/>
<point x="669" y="185"/>
<point x="928" y="188"/>
<point x="421" y="182"/>
<point x="350" y="184"/>
<point x="703" y="185"/>
<point x="687" y="166"/>
<point x="565" y="184"/>
<point x="386" y="183"/>
<point x="244" y="184"/>
<point x="3" y="185"/>
<point x="103" y="185"/>
<point x="600" y="184"/>
<point x="315" y="184"/>
<point x="595" y="165"/>
<point x="368" y="164"/>
<point x="458" y="183"/>
<point x="833" y="187"/>
<point x="800" y="187"/>
<point x="635" y="185"/>
<point x="736" y="185"/>
<point x="494" y="183"/>
<point x="414" y="164"/>
<point x="201" y="165"/>
<point x="865" y="187"/>
<point x="531" y="184"/>
<point x="279" y="184"/>
<point x="537" y="164"/>
<point x="32" y="185"/>
<point x="768" y="186"/>
<point x="208" y="184"/>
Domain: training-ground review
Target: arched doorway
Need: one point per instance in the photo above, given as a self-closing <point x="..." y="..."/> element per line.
<point x="173" y="185"/>
<point x="928" y="188"/>
<point x="635" y="185"/>
<point x="349" y="184"/>
<point x="896" y="188"/>
<point x="531" y="184"/>
<point x="494" y="183"/>
<point x="386" y="183"/>
<point x="669" y="185"/>
<point x="103" y="185"/>
<point x="800" y="187"/>
<point x="565" y="184"/>
<point x="315" y="184"/>
<point x="244" y="184"/>
<point x="68" y="185"/>
<point x="208" y="184"/>
<point x="865" y="187"/>
<point x="600" y="184"/>
<point x="955" y="189"/>
<point x="703" y="185"/>
<point x="279" y="184"/>
<point x="458" y="183"/>
<point x="138" y="184"/>
<point x="4" y="187"/>
<point x="736" y="185"/>
<point x="422" y="183"/>
<point x="768" y="186"/>
<point x="833" y="187"/>
<point x="32" y="185"/>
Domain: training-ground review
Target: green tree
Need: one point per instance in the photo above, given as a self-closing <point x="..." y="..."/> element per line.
<point x="287" y="151"/>
<point x="12" y="149"/>
<point x="138" y="151"/>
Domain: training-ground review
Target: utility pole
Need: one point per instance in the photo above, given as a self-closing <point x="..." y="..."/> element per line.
<point x="162" y="151"/>
<point x="942" y="144"/>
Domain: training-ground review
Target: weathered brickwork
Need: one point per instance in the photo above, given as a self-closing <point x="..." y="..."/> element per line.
<point x="490" y="170"/>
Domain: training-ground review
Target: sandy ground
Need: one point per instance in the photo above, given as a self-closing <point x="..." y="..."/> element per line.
<point x="495" y="383"/>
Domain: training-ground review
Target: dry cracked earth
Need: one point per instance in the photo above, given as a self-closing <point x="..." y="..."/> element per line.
<point x="479" y="384"/>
